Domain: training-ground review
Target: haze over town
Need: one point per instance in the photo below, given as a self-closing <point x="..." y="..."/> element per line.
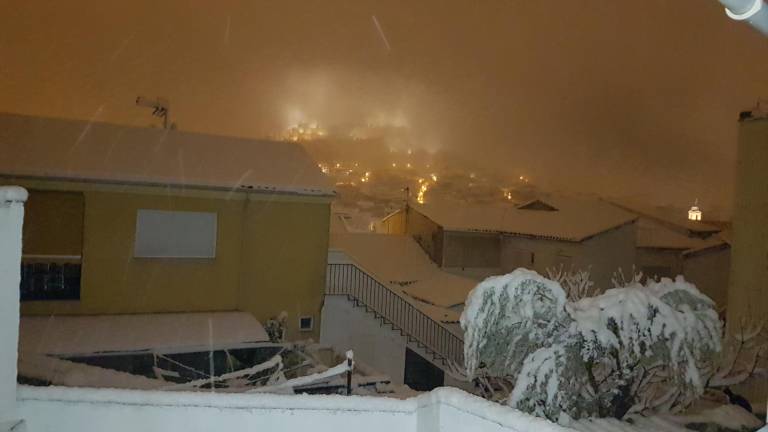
<point x="576" y="96"/>
<point x="324" y="215"/>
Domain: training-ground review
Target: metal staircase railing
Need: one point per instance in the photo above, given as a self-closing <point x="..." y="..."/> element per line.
<point x="394" y="310"/>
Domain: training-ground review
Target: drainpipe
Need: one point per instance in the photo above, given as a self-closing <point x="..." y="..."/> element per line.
<point x="12" y="200"/>
<point x="755" y="12"/>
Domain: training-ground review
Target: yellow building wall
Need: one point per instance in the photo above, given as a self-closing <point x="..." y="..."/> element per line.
<point x="53" y="223"/>
<point x="270" y="255"/>
<point x="393" y="224"/>
<point x="284" y="261"/>
<point x="748" y="294"/>
<point x="748" y="290"/>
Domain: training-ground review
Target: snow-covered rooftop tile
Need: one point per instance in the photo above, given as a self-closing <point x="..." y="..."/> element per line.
<point x="572" y="219"/>
<point x="81" y="150"/>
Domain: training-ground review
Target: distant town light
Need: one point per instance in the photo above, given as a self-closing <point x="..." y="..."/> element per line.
<point x="304" y="132"/>
<point x="434" y="177"/>
<point x="422" y="191"/>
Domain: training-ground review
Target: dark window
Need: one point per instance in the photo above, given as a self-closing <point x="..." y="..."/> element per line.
<point x="420" y="374"/>
<point x="50" y="281"/>
<point x="305" y="323"/>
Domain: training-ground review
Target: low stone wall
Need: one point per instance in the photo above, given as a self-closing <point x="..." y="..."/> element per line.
<point x="83" y="410"/>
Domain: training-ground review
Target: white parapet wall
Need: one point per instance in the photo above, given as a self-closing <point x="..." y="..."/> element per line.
<point x="11" y="217"/>
<point x="84" y="410"/>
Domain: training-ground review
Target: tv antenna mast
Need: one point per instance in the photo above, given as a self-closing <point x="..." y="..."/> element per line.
<point x="160" y="107"/>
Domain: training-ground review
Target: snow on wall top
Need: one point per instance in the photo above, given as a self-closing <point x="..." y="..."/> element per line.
<point x="13" y="194"/>
<point x="575" y="219"/>
<point x="476" y="412"/>
<point x="75" y="149"/>
<point x="82" y="334"/>
<point x="731" y="417"/>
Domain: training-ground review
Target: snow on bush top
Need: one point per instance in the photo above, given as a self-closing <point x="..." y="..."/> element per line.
<point x="509" y="314"/>
<point x="629" y="349"/>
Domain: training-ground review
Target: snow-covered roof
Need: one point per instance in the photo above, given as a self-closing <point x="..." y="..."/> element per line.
<point x="162" y="332"/>
<point x="652" y="234"/>
<point x="75" y="149"/>
<point x="441" y="314"/>
<point x="712" y="244"/>
<point x="441" y="289"/>
<point x="575" y="219"/>
<point x="666" y="215"/>
<point x="398" y="259"/>
<point x="350" y="220"/>
<point x="394" y="258"/>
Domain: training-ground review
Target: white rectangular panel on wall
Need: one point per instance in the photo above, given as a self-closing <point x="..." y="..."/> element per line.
<point x="175" y="234"/>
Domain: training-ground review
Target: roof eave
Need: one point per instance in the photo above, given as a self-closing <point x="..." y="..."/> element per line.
<point x="266" y="189"/>
<point x="543" y="237"/>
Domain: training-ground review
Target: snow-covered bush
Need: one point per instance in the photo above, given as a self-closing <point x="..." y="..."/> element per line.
<point x="627" y="350"/>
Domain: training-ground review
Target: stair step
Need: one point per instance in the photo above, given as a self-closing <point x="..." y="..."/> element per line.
<point x="385" y="321"/>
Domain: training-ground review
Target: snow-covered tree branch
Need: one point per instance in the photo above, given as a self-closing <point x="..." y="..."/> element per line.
<point x="630" y="349"/>
<point x="745" y="350"/>
<point x="576" y="283"/>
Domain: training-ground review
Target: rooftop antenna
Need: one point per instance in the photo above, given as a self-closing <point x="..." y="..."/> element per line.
<point x="160" y="107"/>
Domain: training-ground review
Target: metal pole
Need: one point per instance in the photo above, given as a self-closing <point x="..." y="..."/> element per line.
<point x="350" y="365"/>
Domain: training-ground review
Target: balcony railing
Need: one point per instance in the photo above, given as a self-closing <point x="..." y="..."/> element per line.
<point x="50" y="277"/>
<point x="395" y="310"/>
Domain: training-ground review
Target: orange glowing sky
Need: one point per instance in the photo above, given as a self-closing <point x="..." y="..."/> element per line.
<point x="624" y="98"/>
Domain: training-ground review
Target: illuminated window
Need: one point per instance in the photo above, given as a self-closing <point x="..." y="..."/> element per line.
<point x="694" y="214"/>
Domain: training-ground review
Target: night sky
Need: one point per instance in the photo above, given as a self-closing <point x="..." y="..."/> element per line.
<point x="615" y="97"/>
